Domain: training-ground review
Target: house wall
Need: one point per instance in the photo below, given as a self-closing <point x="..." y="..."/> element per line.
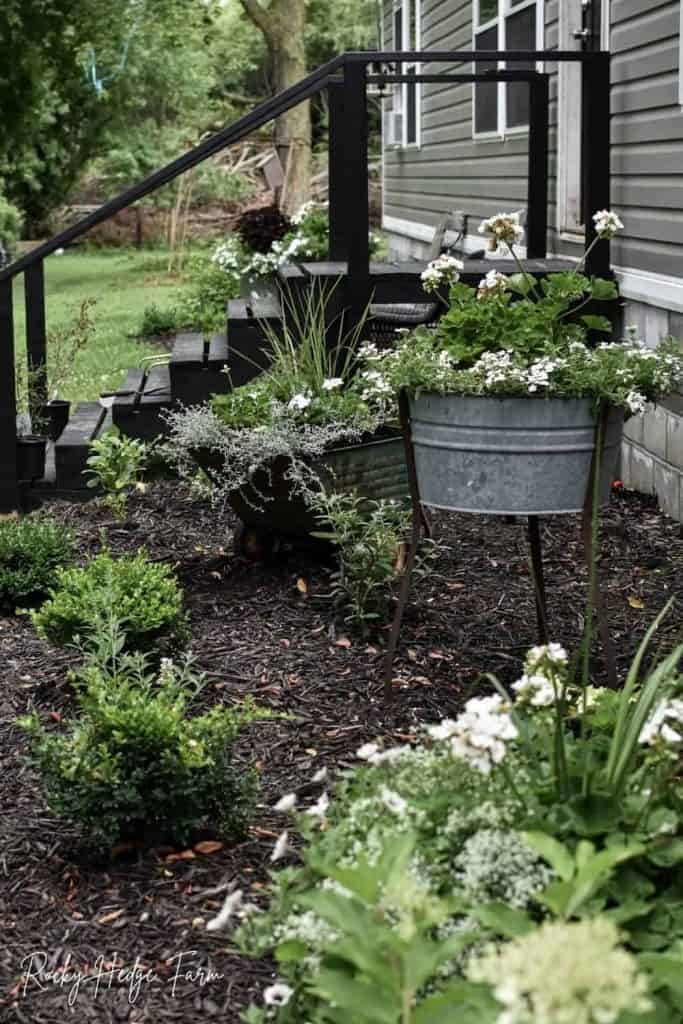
<point x="452" y="170"/>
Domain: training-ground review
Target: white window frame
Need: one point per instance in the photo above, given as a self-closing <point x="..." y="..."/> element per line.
<point x="569" y="215"/>
<point x="505" y="9"/>
<point x="400" y="90"/>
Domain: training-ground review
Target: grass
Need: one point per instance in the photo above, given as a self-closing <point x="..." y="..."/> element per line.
<point x="123" y="283"/>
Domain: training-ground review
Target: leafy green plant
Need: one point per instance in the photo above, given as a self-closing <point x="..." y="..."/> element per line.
<point x="143" y="595"/>
<point x="135" y="764"/>
<point x="31" y="550"/>
<point x="116" y="466"/>
<point x="10" y="224"/>
<point x="157" y="322"/>
<point x="370" y="538"/>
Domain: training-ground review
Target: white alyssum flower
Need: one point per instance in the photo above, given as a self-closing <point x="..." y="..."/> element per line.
<point x="444" y="270"/>
<point x="332" y="383"/>
<point x="503" y="227"/>
<point x="278" y="994"/>
<point x="286" y="803"/>
<point x="393" y="801"/>
<point x="564" y="973"/>
<point x="230" y="905"/>
<point x="480" y="733"/>
<point x="665" y="726"/>
<point x="281" y="847"/>
<point x="607" y="223"/>
<point x="636" y="402"/>
<point x="496" y="864"/>
<point x="298" y="403"/>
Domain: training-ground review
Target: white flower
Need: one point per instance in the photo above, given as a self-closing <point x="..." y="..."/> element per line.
<point x="658" y="731"/>
<point x="281" y="847"/>
<point x="444" y="270"/>
<point x="298" y="403"/>
<point x="554" y="653"/>
<point x="607" y="223"/>
<point x="395" y="803"/>
<point x="286" y="803"/>
<point x="536" y="690"/>
<point x="230" y="905"/>
<point x="503" y="227"/>
<point x="367" y="751"/>
<point x="494" y="283"/>
<point x="278" y="994"/>
<point x="332" y="382"/>
<point x="480" y="733"/>
<point x="320" y="775"/>
<point x="444" y="730"/>
<point x="319" y="808"/>
<point x="636" y="402"/>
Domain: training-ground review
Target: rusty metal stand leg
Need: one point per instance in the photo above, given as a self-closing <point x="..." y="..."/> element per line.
<point x="418" y="522"/>
<point x="595" y="601"/>
<point x="536" y="550"/>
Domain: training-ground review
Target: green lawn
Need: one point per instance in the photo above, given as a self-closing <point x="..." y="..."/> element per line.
<point x="122" y="283"/>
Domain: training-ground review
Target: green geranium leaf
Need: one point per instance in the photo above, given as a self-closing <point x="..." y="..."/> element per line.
<point x="597" y="323"/>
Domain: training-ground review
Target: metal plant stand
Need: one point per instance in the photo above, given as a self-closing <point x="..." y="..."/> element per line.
<point x="420" y="522"/>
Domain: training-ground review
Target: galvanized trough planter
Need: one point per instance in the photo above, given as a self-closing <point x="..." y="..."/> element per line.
<point x="509" y="456"/>
<point x="373" y="469"/>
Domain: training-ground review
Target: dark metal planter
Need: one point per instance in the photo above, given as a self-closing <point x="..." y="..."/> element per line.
<point x="31" y="457"/>
<point x="509" y="456"/>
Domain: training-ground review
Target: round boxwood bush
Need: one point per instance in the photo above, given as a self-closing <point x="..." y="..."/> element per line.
<point x="143" y="595"/>
<point x="31" y="550"/>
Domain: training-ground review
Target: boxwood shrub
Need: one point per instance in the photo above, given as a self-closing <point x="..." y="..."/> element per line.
<point x="31" y="551"/>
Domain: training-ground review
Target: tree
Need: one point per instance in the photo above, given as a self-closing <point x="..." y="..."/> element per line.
<point x="283" y="24"/>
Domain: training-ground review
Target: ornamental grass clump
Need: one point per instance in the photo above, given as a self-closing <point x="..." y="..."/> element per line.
<point x="143" y="595"/>
<point x="550" y="817"/>
<point x="31" y="552"/>
<point x="135" y="764"/>
<point x="514" y="336"/>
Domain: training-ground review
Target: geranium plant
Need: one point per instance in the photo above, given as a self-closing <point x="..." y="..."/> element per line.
<point x="516" y="336"/>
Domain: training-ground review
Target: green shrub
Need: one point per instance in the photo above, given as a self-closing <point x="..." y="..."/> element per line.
<point x="116" y="465"/>
<point x="157" y="322"/>
<point x="31" y="550"/>
<point x="142" y="594"/>
<point x="10" y="224"/>
<point x="134" y="764"/>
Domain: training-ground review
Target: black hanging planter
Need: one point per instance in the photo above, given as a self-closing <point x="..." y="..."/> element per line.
<point x="55" y="416"/>
<point x="31" y="457"/>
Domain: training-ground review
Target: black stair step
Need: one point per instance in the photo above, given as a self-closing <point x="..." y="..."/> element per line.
<point x="71" y="450"/>
<point x="144" y="396"/>
<point x="197" y="370"/>
<point x="248" y="346"/>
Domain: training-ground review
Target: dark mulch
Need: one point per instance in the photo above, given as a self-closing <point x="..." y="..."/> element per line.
<point x="262" y="630"/>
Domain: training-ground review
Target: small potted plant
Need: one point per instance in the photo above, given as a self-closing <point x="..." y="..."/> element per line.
<point x="510" y="394"/>
<point x="64" y="346"/>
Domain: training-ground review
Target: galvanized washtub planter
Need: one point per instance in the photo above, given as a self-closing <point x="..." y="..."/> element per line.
<point x="509" y="456"/>
<point x="373" y="469"/>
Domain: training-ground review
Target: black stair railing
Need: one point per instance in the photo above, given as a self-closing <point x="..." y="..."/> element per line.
<point x="346" y="77"/>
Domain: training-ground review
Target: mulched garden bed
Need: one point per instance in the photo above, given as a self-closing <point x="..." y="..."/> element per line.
<point x="265" y="630"/>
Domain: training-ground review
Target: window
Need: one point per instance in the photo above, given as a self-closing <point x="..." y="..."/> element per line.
<point x="504" y="25"/>
<point x="403" y="127"/>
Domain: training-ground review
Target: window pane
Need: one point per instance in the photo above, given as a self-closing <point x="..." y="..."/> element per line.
<point x="486" y="93"/>
<point x="488" y="9"/>
<point x="520" y="34"/>
<point x="412" y="24"/>
<point x="398" y="29"/>
<point x="411" y="112"/>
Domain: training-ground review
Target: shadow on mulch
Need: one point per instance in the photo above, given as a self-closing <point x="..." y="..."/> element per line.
<point x="257" y="629"/>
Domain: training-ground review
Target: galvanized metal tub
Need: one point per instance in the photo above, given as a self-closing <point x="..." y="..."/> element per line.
<point x="509" y="456"/>
<point x="373" y="469"/>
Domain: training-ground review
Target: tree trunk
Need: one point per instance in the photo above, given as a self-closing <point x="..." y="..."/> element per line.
<point x="282" y="24"/>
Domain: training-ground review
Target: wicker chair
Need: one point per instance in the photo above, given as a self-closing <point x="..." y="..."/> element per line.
<point x="387" y="318"/>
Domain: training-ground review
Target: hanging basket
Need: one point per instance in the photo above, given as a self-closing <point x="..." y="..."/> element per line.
<point x="509" y="456"/>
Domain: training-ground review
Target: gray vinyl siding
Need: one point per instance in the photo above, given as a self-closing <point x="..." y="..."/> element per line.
<point x="453" y="170"/>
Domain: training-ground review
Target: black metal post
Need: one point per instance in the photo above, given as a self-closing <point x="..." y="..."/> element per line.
<point x="536" y="551"/>
<point x="537" y="202"/>
<point x="9" y="490"/>
<point x="355" y="135"/>
<point x="338" y="147"/>
<point x="36" y="343"/>
<point x="595" y="85"/>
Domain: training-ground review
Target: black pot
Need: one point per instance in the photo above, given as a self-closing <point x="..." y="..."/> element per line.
<point x="55" y="416"/>
<point x="31" y="457"/>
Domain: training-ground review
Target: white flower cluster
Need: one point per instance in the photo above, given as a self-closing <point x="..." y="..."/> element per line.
<point x="305" y="209"/>
<point x="494" y="283"/>
<point x="373" y="754"/>
<point x="298" y="403"/>
<point x="607" y="223"/>
<point x="539" y="373"/>
<point x="443" y="271"/>
<point x="636" y="402"/>
<point x="376" y="387"/>
<point x="665" y="727"/>
<point x="564" y="973"/>
<point x="479" y="735"/>
<point x="503" y="227"/>
<point x="496" y="864"/>
<point x="332" y="383"/>
<point x="543" y="667"/>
